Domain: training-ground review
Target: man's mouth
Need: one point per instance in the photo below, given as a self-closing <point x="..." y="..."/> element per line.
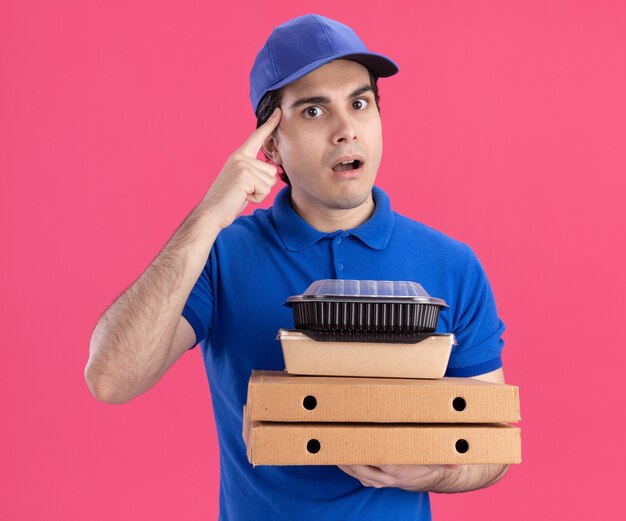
<point x="347" y="165"/>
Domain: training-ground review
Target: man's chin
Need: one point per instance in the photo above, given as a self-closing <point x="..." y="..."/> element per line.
<point x="349" y="199"/>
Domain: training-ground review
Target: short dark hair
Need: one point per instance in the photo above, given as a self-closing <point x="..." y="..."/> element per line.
<point x="273" y="99"/>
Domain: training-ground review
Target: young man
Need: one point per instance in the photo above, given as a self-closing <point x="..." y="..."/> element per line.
<point x="222" y="279"/>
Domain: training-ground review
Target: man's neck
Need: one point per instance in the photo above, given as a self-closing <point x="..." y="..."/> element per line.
<point x="328" y="220"/>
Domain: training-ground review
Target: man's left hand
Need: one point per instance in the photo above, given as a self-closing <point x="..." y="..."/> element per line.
<point x="408" y="477"/>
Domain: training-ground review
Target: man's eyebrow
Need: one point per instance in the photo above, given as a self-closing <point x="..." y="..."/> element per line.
<point x="361" y="90"/>
<point x="323" y="100"/>
<point x="310" y="100"/>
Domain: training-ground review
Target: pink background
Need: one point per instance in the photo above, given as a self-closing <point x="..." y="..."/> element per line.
<point x="506" y="129"/>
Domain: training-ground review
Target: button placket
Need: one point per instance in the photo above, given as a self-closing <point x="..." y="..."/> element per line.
<point x="336" y="246"/>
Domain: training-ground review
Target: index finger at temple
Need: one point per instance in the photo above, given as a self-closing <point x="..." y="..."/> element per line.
<point x="255" y="141"/>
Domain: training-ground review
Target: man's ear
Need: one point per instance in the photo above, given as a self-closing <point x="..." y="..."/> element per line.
<point x="270" y="149"/>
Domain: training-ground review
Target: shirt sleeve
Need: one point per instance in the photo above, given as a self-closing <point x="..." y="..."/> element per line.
<point x="198" y="309"/>
<point x="477" y="327"/>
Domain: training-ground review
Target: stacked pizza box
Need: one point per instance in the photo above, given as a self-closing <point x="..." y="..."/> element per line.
<point x="364" y="385"/>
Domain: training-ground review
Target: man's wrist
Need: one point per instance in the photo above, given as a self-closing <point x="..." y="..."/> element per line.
<point x="465" y="478"/>
<point x="205" y="212"/>
<point x="440" y="478"/>
<point x="450" y="478"/>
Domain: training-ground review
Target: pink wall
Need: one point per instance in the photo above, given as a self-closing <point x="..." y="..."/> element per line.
<point x="505" y="129"/>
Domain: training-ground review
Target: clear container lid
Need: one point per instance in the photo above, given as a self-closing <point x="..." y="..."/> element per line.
<point x="367" y="291"/>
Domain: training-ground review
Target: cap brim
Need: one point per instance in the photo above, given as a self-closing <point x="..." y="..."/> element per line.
<point x="379" y="65"/>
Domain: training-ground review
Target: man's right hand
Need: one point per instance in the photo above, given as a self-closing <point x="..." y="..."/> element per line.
<point x="243" y="178"/>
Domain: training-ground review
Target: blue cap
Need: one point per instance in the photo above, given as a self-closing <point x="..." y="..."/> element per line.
<point x="304" y="44"/>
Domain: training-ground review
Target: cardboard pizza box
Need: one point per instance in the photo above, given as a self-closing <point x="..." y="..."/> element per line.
<point x="279" y="396"/>
<point x="271" y="443"/>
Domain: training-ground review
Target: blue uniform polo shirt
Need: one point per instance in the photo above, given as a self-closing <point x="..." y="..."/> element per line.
<point x="236" y="310"/>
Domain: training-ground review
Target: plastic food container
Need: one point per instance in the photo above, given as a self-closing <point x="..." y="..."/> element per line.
<point x="365" y="306"/>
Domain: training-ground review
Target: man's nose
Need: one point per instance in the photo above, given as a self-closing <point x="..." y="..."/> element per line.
<point x="345" y="130"/>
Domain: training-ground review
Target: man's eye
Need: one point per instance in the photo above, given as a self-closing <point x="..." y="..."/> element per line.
<point x="312" y="112"/>
<point x="360" y="104"/>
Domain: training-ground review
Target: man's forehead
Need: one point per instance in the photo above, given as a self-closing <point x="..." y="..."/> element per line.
<point x="336" y="77"/>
